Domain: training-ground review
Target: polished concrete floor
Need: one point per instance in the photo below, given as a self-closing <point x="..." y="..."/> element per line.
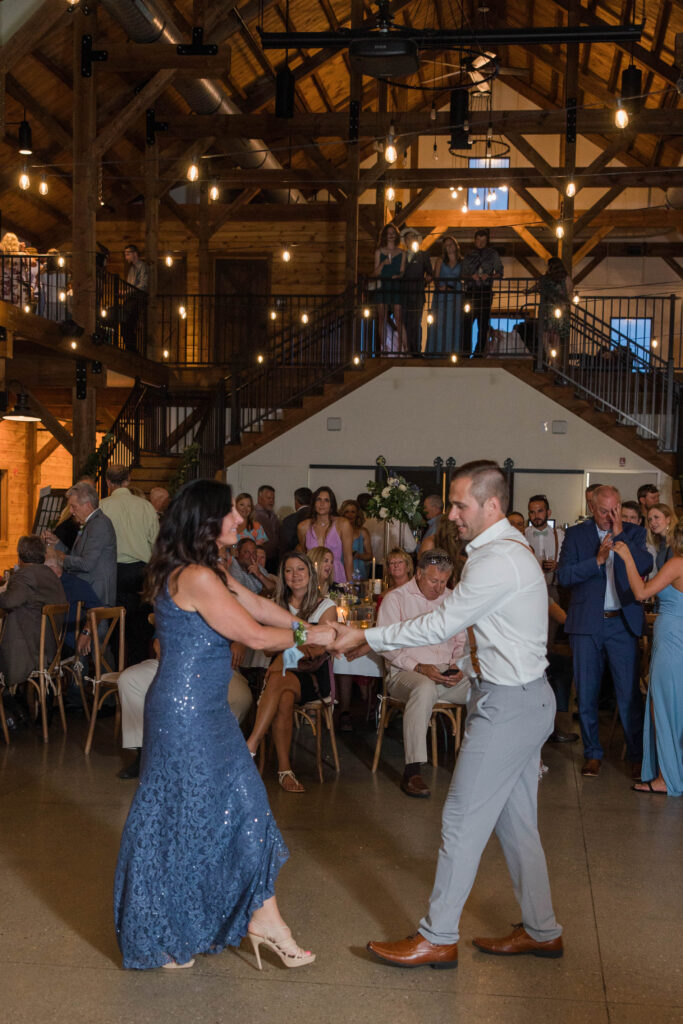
<point x="361" y="867"/>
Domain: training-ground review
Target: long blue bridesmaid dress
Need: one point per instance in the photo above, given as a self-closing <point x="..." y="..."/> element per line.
<point x="663" y="741"/>
<point x="200" y="850"/>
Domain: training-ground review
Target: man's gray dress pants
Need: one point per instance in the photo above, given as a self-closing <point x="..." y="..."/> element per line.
<point x="495" y="787"/>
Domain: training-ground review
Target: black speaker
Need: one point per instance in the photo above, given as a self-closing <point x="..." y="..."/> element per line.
<point x="460" y="115"/>
<point x="632" y="88"/>
<point x="284" y="93"/>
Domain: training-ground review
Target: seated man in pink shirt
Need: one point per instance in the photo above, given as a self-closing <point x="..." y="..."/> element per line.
<point x="422" y="676"/>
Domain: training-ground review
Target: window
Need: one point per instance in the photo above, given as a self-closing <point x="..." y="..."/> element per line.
<point x="633" y="332"/>
<point x="489" y="198"/>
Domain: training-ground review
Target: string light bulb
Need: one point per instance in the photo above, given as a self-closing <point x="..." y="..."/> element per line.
<point x="477" y="200"/>
<point x="464" y="208"/>
<point x="430" y="318"/>
<point x="454" y="358"/>
<point x="24" y="180"/>
<point x="166" y="353"/>
<point x="43" y="187"/>
<point x="62" y="296"/>
<point x="304" y="318"/>
<point x="559" y="231"/>
<point x="390" y="151"/>
<point x="214" y="192"/>
<point x="273" y="315"/>
<point x="570" y="190"/>
<point x="60" y="261"/>
<point x="491" y="197"/>
<point x="654" y="343"/>
<point x="168" y="259"/>
<point x="503" y="188"/>
<point x="575" y="298"/>
<point x="553" y="353"/>
<point x="557" y="313"/>
<point x="356" y="360"/>
<point x="103" y="313"/>
<point x="467" y="307"/>
<point x="286" y="254"/>
<point x="389" y="193"/>
<point x="621" y="118"/>
<point x="366" y="313"/>
<point x="193" y="171"/>
<point x="259" y="359"/>
<point x="415" y="245"/>
<point x="435" y="152"/>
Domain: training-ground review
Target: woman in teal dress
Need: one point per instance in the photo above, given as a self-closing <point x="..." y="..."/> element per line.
<point x="362" y="548"/>
<point x="662" y="770"/>
<point x="200" y="850"/>
<point x="390" y="261"/>
<point x="444" y="334"/>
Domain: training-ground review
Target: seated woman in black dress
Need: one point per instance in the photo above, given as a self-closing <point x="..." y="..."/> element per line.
<point x="297" y="591"/>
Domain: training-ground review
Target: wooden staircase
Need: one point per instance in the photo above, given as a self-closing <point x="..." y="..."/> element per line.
<point x="154" y="471"/>
<point x="348" y="381"/>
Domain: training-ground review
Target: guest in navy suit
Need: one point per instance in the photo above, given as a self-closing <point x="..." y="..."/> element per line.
<point x="604" y="621"/>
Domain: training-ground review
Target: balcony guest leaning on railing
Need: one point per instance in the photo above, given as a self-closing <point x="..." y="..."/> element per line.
<point x="445" y="333"/>
<point x="16" y="280"/>
<point x="418" y="270"/>
<point x="482" y="264"/>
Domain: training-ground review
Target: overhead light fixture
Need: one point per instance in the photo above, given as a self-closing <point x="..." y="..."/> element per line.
<point x="43" y="188"/>
<point x="25" y="138"/>
<point x="621" y="118"/>
<point x="21" y="412"/>
<point x="390" y="151"/>
<point x="570" y="189"/>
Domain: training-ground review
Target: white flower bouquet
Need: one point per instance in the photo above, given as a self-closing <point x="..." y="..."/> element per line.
<point x="395" y="499"/>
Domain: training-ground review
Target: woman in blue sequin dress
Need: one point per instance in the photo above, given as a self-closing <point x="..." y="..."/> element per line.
<point x="200" y="850"/>
<point x="662" y="770"/>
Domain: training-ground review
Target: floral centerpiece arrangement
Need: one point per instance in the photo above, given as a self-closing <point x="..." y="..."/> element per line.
<point x="394" y="498"/>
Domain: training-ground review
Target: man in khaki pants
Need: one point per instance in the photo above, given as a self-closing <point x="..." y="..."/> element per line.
<point x="422" y="676"/>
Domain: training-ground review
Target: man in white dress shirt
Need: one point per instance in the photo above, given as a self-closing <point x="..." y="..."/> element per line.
<point x="545" y="540"/>
<point x="503" y="600"/>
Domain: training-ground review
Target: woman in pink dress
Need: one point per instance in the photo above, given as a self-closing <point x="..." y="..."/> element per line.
<point x="325" y="528"/>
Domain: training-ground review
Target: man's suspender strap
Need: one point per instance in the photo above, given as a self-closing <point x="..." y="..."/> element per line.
<point x="557" y="543"/>
<point x="474" y="657"/>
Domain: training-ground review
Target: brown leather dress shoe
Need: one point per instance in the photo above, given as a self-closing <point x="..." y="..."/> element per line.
<point x="415" y="786"/>
<point x="416" y="951"/>
<point x="520" y="942"/>
<point x="591" y="767"/>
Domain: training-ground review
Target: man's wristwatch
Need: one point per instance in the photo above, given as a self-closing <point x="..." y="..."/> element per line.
<point x="300" y="633"/>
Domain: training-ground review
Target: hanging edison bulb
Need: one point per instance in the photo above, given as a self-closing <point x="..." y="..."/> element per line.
<point x="570" y="190"/>
<point x="24" y="180"/>
<point x="389" y="193"/>
<point x="559" y="231"/>
<point x="621" y="117"/>
<point x="214" y="192"/>
<point x="168" y="259"/>
<point x="286" y="254"/>
<point x="193" y="171"/>
<point x="43" y="187"/>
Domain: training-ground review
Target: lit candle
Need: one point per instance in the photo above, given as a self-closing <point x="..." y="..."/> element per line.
<point x="373" y="567"/>
<point x="342" y="615"/>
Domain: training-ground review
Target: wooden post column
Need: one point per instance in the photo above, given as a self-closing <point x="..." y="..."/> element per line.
<point x="83" y="248"/>
<point x="152" y="244"/>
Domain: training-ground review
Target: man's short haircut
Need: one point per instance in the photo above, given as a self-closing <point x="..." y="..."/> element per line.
<point x="117" y="474"/>
<point x="488" y="481"/>
<point x="647" y="489"/>
<point x="84" y="493"/>
<point x="435" y="499"/>
<point x="633" y="505"/>
<point x="245" y="540"/>
<point x="438" y="557"/>
<point x="593" y="487"/>
<point x="31" y="549"/>
<point x="604" y="490"/>
<point x="540" y="497"/>
<point x="485" y="232"/>
<point x="304" y="495"/>
<point x="265" y="487"/>
<point x="131" y="248"/>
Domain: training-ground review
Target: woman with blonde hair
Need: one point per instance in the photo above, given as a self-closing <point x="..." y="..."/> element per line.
<point x="297" y="592"/>
<point x="662" y="769"/>
<point x="362" y="547"/>
<point x="322" y="560"/>
<point x="447" y="538"/>
<point x="660" y="528"/>
<point x="16" y="283"/>
<point x="244" y="503"/>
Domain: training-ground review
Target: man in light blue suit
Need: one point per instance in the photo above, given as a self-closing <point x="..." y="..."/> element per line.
<point x="604" y="621"/>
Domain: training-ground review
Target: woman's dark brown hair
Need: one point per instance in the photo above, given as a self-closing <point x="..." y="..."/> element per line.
<point x="333" y="502"/>
<point x="383" y="235"/>
<point x="188" y="533"/>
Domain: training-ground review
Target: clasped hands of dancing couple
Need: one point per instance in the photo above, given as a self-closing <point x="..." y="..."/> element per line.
<point x="200" y="851"/>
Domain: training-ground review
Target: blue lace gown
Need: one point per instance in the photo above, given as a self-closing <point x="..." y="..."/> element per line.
<point x="444" y="335"/>
<point x="663" y="743"/>
<point x="200" y="850"/>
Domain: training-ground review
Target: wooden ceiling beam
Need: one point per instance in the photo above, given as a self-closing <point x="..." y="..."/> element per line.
<point x="45" y="19"/>
<point x="674" y="265"/>
<point x="534" y="205"/>
<point x="580" y="275"/>
<point x="144" y="58"/>
<point x="410" y="208"/>
<point x="590" y="243"/>
<point x="646" y="57"/>
<point x="57" y="131"/>
<point x="603" y="202"/>
<point x="650" y="121"/>
<point x="532" y="241"/>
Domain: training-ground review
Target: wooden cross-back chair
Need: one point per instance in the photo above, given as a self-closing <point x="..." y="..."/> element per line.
<point x="389" y="706"/>
<point x="106" y="679"/>
<point x="3" y="720"/>
<point x="73" y="664"/>
<point x="48" y="675"/>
